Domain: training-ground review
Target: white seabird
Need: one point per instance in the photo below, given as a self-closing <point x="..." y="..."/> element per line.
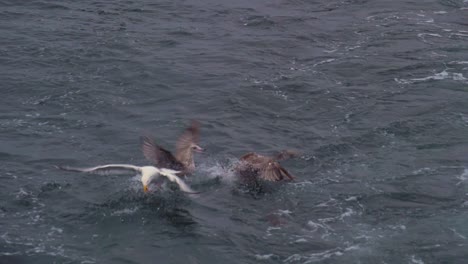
<point x="148" y="173"/>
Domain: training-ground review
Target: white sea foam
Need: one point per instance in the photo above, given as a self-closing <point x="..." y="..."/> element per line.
<point x="422" y="170"/>
<point x="316" y="226"/>
<point x="271" y="228"/>
<point x="458" y="62"/>
<point x="327" y="203"/>
<point x="283" y="212"/>
<point x="458" y="35"/>
<point x="463" y="177"/>
<point x="352" y="198"/>
<point x="54" y="230"/>
<point x="319" y="256"/>
<point x="352" y="47"/>
<point x="423" y="36"/>
<point x="5" y="238"/>
<point x="402" y="81"/>
<point x="10" y="253"/>
<point x="397" y="227"/>
<point x="264" y="257"/>
<point x="22" y="193"/>
<point x="442" y="76"/>
<point x="302" y="184"/>
<point x="416" y="260"/>
<point x="323" y="62"/>
<point x="353" y="247"/>
<point x="457" y="233"/>
<point x="349" y="212"/>
<point x="126" y="211"/>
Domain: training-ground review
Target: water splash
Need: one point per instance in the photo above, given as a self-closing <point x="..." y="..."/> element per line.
<point x="463" y="177"/>
<point x="216" y="170"/>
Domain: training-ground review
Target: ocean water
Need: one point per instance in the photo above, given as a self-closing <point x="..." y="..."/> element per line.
<point x="374" y="94"/>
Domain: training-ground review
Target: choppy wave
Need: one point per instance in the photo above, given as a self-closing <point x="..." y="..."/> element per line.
<point x="373" y="93"/>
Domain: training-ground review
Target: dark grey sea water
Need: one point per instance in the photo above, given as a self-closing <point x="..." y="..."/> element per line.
<point x="373" y="93"/>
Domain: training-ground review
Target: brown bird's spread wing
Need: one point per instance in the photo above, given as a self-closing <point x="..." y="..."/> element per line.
<point x="272" y="171"/>
<point x="158" y="155"/>
<point x="267" y="168"/>
<point x="250" y="162"/>
<point x="286" y="174"/>
<point x="186" y="140"/>
<point x="253" y="158"/>
<point x="264" y="167"/>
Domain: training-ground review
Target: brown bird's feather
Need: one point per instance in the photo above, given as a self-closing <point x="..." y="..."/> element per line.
<point x="253" y="166"/>
<point x="185" y="145"/>
<point x="286" y="154"/>
<point x="159" y="156"/>
<point x="183" y="160"/>
<point x="286" y="174"/>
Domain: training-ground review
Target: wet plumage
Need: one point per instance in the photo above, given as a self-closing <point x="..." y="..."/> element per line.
<point x="183" y="160"/>
<point x="253" y="167"/>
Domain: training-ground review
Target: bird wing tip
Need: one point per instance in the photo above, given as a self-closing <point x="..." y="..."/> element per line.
<point x="60" y="167"/>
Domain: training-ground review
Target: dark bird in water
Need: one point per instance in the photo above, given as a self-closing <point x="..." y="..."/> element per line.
<point x="253" y="167"/>
<point x="186" y="145"/>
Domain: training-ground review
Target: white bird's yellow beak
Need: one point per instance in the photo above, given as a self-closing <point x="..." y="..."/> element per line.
<point x="145" y="188"/>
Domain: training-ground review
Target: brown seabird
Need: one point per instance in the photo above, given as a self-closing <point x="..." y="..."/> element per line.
<point x="253" y="166"/>
<point x="183" y="160"/>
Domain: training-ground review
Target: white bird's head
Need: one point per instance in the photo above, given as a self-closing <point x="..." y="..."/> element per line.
<point x="148" y="174"/>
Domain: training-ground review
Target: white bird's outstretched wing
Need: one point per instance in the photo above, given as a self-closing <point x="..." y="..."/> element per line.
<point x="171" y="175"/>
<point x="105" y="169"/>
